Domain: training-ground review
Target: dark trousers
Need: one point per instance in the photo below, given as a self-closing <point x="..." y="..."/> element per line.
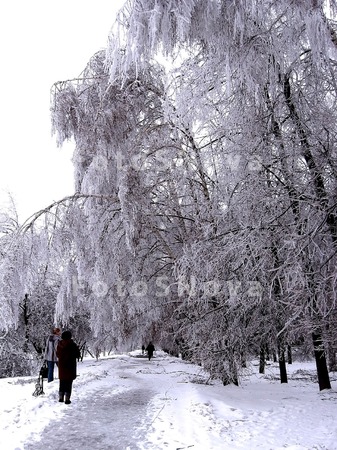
<point x="65" y="387"/>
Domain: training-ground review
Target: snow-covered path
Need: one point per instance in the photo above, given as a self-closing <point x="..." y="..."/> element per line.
<point x="110" y="417"/>
<point x="107" y="423"/>
<point x="126" y="402"/>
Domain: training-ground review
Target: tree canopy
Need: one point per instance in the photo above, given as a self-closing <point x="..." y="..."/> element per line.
<point x="204" y="214"/>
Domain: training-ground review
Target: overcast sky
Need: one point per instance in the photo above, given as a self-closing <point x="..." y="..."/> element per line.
<point x="42" y="41"/>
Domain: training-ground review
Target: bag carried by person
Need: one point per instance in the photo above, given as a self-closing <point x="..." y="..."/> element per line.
<point x="44" y="370"/>
<point x="39" y="384"/>
<point x="38" y="387"/>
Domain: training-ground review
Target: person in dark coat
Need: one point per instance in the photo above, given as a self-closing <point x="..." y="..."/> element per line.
<point x="150" y="349"/>
<point x="50" y="352"/>
<point x="68" y="353"/>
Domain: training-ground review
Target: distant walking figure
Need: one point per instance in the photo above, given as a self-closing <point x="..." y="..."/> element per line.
<point x="67" y="353"/>
<point x="143" y="349"/>
<point x="50" y="352"/>
<point x="150" y="349"/>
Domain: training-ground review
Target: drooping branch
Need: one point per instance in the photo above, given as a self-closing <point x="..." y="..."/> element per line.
<point x="63" y="202"/>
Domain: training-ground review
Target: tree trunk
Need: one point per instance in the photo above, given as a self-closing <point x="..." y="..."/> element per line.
<point x="25" y="311"/>
<point x="262" y="359"/>
<point x="282" y="364"/>
<point x="289" y="354"/>
<point x="243" y="360"/>
<point x="322" y="370"/>
<point x="331" y="220"/>
<point x="332" y="358"/>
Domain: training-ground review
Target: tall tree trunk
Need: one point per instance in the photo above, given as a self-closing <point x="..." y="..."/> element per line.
<point x="282" y="364"/>
<point x="323" y="204"/>
<point x="243" y="360"/>
<point x="262" y="359"/>
<point x="331" y="344"/>
<point x="332" y="358"/>
<point x="322" y="369"/>
<point x="289" y="354"/>
<point x="25" y="311"/>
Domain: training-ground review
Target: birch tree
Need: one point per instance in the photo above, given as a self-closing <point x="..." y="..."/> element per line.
<point x="273" y="58"/>
<point x="213" y="183"/>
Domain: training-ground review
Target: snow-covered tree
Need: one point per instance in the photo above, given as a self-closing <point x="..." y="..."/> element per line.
<point x="267" y="71"/>
<point x="205" y="206"/>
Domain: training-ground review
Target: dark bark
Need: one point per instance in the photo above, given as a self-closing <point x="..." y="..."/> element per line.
<point x="262" y="359"/>
<point x="282" y="364"/>
<point x="322" y="369"/>
<point x="289" y="354"/>
<point x="281" y="347"/>
<point x="243" y="360"/>
<point x="316" y="175"/>
<point x="331" y="220"/>
<point x="26" y="315"/>
<point x="332" y="358"/>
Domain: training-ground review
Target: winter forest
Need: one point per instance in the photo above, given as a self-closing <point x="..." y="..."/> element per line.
<point x="204" y="214"/>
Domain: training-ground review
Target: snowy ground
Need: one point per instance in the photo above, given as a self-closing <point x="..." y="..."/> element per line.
<point x="126" y="402"/>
